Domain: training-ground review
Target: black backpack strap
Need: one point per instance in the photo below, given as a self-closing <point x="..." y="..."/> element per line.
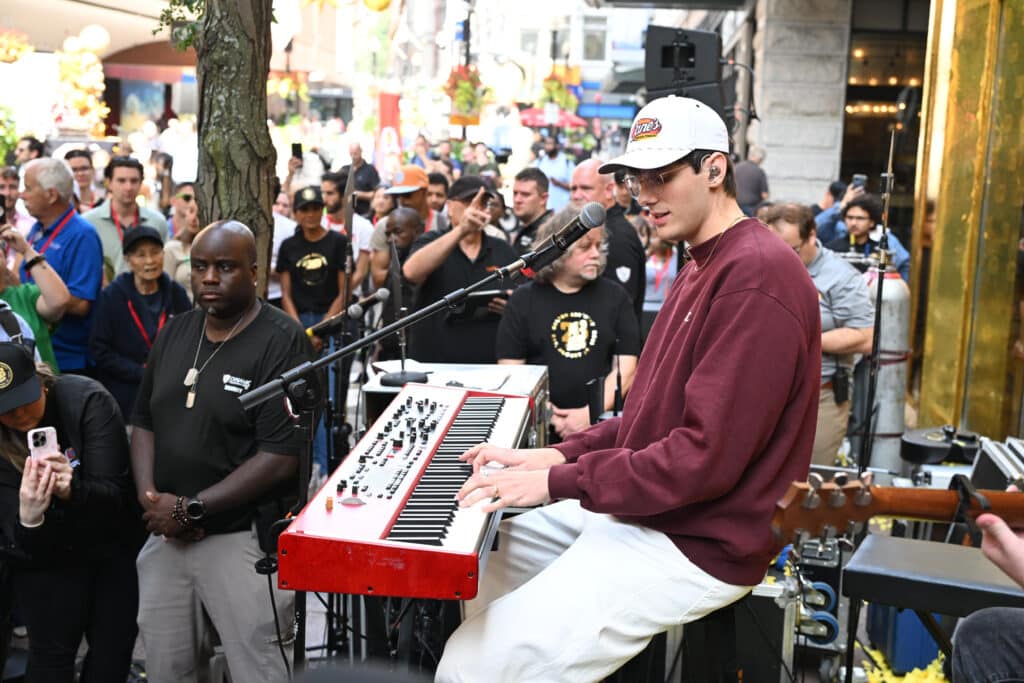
<point x="10" y="325"/>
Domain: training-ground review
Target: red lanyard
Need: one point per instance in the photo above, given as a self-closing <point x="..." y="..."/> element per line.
<point x="661" y="273"/>
<point x="56" y="230"/>
<point x="117" y="221"/>
<point x="138" y="324"/>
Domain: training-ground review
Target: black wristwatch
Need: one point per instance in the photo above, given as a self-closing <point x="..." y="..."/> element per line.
<point x="195" y="508"/>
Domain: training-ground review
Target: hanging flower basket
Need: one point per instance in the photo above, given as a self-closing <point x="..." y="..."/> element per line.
<point x="554" y="89"/>
<point x="288" y="84"/>
<point x="468" y="95"/>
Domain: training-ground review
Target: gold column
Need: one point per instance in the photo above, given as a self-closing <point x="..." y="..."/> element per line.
<point x="970" y="165"/>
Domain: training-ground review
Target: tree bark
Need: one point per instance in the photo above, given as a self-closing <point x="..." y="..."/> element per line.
<point x="236" y="157"/>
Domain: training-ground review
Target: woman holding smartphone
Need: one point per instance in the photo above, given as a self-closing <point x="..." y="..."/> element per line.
<point x="69" y="529"/>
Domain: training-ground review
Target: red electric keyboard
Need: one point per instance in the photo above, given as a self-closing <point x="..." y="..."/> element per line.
<point x="386" y="521"/>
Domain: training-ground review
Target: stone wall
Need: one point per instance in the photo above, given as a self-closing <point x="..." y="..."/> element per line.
<point x="801" y="50"/>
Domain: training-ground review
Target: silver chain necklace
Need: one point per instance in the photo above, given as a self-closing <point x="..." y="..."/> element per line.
<point x="192" y="376"/>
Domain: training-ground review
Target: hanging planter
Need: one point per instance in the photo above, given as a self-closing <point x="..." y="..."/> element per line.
<point x="468" y="95"/>
<point x="287" y="85"/>
<point x="554" y="90"/>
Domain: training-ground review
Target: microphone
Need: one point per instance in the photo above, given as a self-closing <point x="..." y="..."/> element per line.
<point x="591" y="216"/>
<point x="359" y="308"/>
<point x="356" y="310"/>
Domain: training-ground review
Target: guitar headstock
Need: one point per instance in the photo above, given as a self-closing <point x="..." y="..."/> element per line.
<point x="819" y="507"/>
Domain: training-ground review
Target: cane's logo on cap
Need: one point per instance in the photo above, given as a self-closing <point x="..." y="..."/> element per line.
<point x="645" y="128"/>
<point x="309" y="193"/>
<point x="6" y="376"/>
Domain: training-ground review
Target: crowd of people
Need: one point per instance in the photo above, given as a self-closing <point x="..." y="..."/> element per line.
<point x="131" y="331"/>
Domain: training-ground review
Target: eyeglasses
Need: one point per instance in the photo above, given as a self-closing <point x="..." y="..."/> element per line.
<point x="635" y="182"/>
<point x="185" y="197"/>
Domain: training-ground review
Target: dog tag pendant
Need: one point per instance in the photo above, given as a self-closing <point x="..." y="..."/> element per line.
<point x="191" y="376"/>
<point x="190" y="398"/>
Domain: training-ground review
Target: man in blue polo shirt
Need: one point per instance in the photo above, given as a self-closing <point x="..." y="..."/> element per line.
<point x="72" y="248"/>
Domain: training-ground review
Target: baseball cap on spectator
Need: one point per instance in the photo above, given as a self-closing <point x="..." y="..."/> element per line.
<point x="668" y="129"/>
<point x="143" y="232"/>
<point x="306" y="196"/>
<point x="466" y="187"/>
<point x="19" y="384"/>
<point x="409" y="179"/>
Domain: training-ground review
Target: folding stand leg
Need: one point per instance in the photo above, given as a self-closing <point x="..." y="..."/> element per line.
<point x="851" y="636"/>
<point x="940" y="637"/>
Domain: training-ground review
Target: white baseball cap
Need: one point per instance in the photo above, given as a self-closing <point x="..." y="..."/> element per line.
<point x="668" y="129"/>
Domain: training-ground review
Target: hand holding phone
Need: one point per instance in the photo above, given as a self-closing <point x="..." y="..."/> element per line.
<point x="859" y="180"/>
<point x="297" y="150"/>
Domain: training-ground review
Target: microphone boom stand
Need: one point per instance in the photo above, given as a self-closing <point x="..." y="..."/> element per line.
<point x="866" y="444"/>
<point x="533" y="260"/>
<point x="403" y="376"/>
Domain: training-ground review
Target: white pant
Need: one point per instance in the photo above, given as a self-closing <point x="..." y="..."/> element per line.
<point x="571" y="595"/>
<point x="179" y="581"/>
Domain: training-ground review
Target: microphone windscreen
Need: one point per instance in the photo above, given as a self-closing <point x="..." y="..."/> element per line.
<point x="592" y="215"/>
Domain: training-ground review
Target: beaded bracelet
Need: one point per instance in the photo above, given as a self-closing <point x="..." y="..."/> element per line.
<point x="178" y="514"/>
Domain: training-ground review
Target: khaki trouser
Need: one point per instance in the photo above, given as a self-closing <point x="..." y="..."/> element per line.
<point x="831" y="427"/>
<point x="182" y="583"/>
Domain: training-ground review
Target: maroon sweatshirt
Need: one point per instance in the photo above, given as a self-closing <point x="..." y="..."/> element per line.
<point x="721" y="415"/>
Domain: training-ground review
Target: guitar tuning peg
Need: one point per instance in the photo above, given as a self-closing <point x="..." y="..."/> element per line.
<point x="863" y="497"/>
<point x="866" y="478"/>
<point x="840" y="478"/>
<point x="815" y="481"/>
<point x="837" y="498"/>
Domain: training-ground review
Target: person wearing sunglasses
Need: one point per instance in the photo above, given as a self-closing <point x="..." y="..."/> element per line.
<point x="664" y="513"/>
<point x="184" y="197"/>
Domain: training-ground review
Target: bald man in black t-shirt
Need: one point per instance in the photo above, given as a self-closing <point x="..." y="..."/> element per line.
<point x="207" y="470"/>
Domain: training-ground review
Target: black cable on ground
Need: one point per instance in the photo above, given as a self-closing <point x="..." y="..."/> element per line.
<point x="277" y="626"/>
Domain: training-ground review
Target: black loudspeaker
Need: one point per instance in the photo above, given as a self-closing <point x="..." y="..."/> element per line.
<point x="684" y="62"/>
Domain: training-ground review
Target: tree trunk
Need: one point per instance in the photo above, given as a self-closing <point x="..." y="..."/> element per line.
<point x="236" y="157"/>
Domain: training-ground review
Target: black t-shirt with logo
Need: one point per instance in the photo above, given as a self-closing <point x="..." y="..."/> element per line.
<point x="574" y="335"/>
<point x="313" y="267"/>
<point x="466" y="335"/>
<point x="197" y="447"/>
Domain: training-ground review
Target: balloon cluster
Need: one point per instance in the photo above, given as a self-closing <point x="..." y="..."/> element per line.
<point x="80" y="106"/>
